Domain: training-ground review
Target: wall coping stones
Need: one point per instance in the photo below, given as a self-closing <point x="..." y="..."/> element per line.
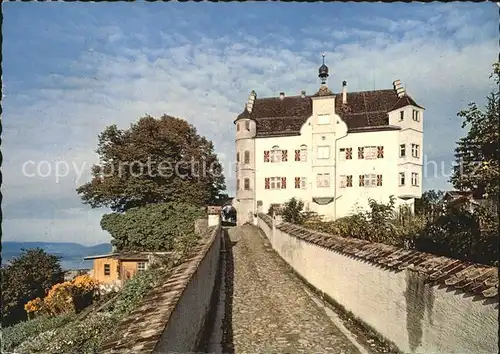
<point x="142" y="329"/>
<point x="475" y="278"/>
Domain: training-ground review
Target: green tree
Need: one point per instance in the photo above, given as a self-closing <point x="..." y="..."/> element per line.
<point x="27" y="277"/>
<point x="154" y="161"/>
<point x="155" y="227"/>
<point x="477" y="154"/>
<point x="430" y="203"/>
<point x="292" y="211"/>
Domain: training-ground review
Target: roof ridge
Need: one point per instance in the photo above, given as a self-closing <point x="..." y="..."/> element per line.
<point x="334" y="93"/>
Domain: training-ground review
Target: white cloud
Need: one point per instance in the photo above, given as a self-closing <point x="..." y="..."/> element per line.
<point x="207" y="81"/>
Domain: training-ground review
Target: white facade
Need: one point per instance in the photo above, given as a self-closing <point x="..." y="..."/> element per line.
<point x="327" y="179"/>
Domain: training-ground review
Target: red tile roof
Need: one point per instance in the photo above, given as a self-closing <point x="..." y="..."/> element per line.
<point x="285" y="116"/>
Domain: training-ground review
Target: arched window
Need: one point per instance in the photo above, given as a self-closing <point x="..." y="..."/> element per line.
<point x="275" y="154"/>
<point x="247" y="156"/>
<point x="303" y="153"/>
<point x="238" y="156"/>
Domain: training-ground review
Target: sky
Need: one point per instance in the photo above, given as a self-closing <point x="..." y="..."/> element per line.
<point x="71" y="69"/>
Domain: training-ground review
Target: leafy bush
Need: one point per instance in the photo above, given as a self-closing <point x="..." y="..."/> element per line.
<point x="135" y="289"/>
<point x="14" y="335"/>
<point x="153" y="227"/>
<point x="86" y="335"/>
<point x="27" y="277"/>
<point x="292" y="211"/>
<point x="69" y="296"/>
<point x="456" y="234"/>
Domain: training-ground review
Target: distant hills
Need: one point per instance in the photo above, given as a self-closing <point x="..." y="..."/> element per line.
<point x="72" y="253"/>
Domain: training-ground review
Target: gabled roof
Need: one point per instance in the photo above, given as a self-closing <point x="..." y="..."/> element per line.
<point x="285" y="116"/>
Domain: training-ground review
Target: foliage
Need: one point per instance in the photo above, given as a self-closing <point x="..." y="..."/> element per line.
<point x="456" y="233"/>
<point x="66" y="297"/>
<point x="135" y="289"/>
<point x="14" y="335"/>
<point x="154" y="161"/>
<point x="477" y="154"/>
<point x="274" y="209"/>
<point x="27" y="277"/>
<point x="292" y="211"/>
<point x="156" y="227"/>
<point x="431" y="203"/>
<point x="86" y="335"/>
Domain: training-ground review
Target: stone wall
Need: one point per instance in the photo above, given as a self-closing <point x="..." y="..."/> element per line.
<point x="172" y="317"/>
<point x="420" y="302"/>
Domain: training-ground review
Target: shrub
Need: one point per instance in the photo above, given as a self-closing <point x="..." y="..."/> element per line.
<point x="69" y="296"/>
<point x="292" y="211"/>
<point x="27" y="277"/>
<point x="14" y="335"/>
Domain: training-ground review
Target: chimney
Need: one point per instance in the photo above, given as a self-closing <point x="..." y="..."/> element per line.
<point x="251" y="100"/>
<point x="400" y="91"/>
<point x="344" y="92"/>
<point x="282" y="95"/>
<point x="303" y="93"/>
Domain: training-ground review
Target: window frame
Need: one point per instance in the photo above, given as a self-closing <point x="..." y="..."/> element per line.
<point x="275" y="154"/>
<point x="414" y="179"/>
<point x="320" y="176"/>
<point x="107" y="269"/>
<point x="402" y="178"/>
<point x="327" y="148"/>
<point x="303" y="153"/>
<point x="141" y="269"/>
<point x="402" y="150"/>
<point x="246" y="157"/>
<point x="370" y="180"/>
<point x="370" y="152"/>
<point x="246" y="184"/>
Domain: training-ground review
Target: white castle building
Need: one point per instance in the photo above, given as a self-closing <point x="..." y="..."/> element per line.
<point x="332" y="151"/>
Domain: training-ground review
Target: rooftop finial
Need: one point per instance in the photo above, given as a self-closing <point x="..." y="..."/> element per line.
<point x="323" y="71"/>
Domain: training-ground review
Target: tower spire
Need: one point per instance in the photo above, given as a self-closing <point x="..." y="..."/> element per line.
<point x="323" y="71"/>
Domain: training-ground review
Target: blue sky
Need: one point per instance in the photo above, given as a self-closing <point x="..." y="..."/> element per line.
<point x="71" y="69"/>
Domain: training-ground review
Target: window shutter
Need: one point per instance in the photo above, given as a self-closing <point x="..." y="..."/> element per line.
<point x="267" y="183"/>
<point x="297" y="182"/>
<point x="297" y="155"/>
<point x="379" y="180"/>
<point x="361" y="180"/>
<point x="284" y="155"/>
<point x="266" y="156"/>
<point x="380" y="152"/>
<point x="348" y="154"/>
<point x="361" y="152"/>
<point x="349" y="181"/>
<point x="283" y="182"/>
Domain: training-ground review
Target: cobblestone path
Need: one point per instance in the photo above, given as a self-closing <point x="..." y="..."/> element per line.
<point x="267" y="308"/>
